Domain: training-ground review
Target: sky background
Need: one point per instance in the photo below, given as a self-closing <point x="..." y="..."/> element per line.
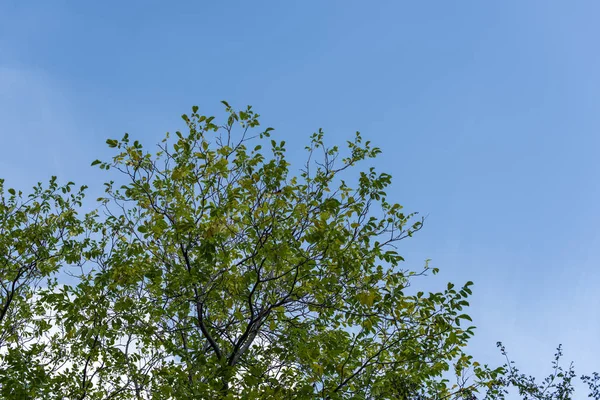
<point x="487" y="113"/>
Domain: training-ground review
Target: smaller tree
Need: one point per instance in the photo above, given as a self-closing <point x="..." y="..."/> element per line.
<point x="558" y="385"/>
<point x="38" y="233"/>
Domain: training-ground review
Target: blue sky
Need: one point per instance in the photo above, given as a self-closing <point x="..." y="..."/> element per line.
<point x="487" y="113"/>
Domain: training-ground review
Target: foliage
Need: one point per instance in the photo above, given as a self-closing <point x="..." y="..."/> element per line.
<point x="213" y="270"/>
<point x="37" y="234"/>
<point x="557" y="385"/>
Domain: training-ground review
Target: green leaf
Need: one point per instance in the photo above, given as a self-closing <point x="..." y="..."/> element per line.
<point x="237" y="274"/>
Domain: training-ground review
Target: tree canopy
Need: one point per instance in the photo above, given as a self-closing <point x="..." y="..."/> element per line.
<point x="214" y="268"/>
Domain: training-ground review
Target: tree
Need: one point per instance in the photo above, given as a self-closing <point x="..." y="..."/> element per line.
<point x="37" y="234"/>
<point x="237" y="276"/>
<point x="558" y="385"/>
<point x="213" y="270"/>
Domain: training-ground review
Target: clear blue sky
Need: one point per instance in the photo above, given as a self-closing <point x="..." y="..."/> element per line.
<point x="488" y="114"/>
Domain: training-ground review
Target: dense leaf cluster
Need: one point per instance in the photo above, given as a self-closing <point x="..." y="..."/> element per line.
<point x="213" y="270"/>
